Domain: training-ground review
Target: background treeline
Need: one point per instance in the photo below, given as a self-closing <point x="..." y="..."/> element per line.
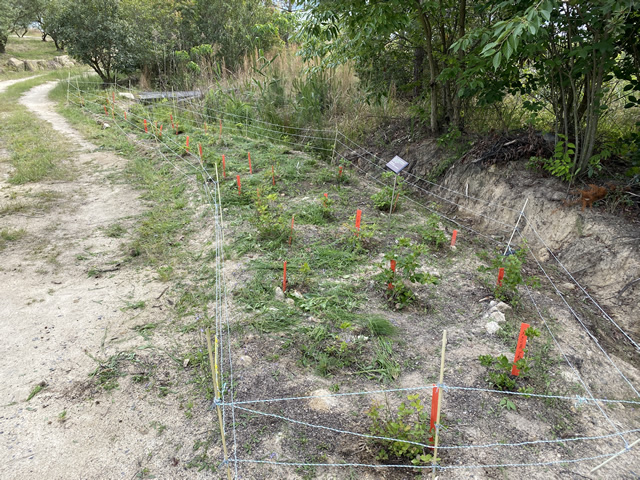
<point x="567" y="68"/>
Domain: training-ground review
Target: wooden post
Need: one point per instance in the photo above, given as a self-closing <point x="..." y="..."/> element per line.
<point x="614" y="456"/>
<point x="214" y="374"/>
<point x="436" y="436"/>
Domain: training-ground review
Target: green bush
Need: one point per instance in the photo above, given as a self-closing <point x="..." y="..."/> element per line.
<point x="409" y="424"/>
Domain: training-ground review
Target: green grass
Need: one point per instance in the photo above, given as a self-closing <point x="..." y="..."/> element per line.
<point x="36" y="151"/>
<point x="8" y="235"/>
<point x="36" y="390"/>
<point x="30" y="48"/>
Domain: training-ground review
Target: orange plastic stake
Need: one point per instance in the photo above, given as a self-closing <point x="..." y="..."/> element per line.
<point x="273" y="175"/>
<point x="434" y="409"/>
<point x="171" y="117"/>
<point x="500" y="276"/>
<point x="200" y="150"/>
<point x="284" y="277"/>
<point x="160" y="130"/>
<point x="358" y="218"/>
<point x="113" y="96"/>
<point x="393" y="269"/>
<point x="292" y="221"/>
<point x="145" y="126"/>
<point x="522" y="343"/>
<point x="239" y="187"/>
<point x="187" y="143"/>
<point x="105" y="111"/>
<point x="326" y="197"/>
<point x="454" y="235"/>
<point x="125" y="115"/>
<point x="224" y="172"/>
<point x="340" y="171"/>
<point x="250" y="169"/>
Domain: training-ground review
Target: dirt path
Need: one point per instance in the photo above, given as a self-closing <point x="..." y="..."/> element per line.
<point x="57" y="318"/>
<point x="7" y="83"/>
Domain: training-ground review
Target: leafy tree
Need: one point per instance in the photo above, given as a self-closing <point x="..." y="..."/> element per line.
<point x="564" y="53"/>
<point x="7" y="15"/>
<point x="370" y="32"/>
<point x="100" y="33"/>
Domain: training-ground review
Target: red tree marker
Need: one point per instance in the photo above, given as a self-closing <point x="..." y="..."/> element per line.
<point x="273" y="175"/>
<point x="171" y="117"/>
<point x="250" y="169"/>
<point x="292" y="221"/>
<point x="187" y="143"/>
<point x="434" y="409"/>
<point x="358" y="218"/>
<point x="160" y="130"/>
<point x="224" y="171"/>
<point x="239" y="187"/>
<point x="145" y="126"/>
<point x="326" y="197"/>
<point x="113" y="96"/>
<point x="125" y="115"/>
<point x="284" y="277"/>
<point x="522" y="342"/>
<point x="500" y="276"/>
<point x="340" y="171"/>
<point x="454" y="235"/>
<point x="105" y="111"/>
<point x="393" y="269"/>
<point x="200" y="150"/>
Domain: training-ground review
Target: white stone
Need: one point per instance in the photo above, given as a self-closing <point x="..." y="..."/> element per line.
<point x="244" y="361"/>
<point x="497" y="317"/>
<point x="290" y="302"/>
<point x="127" y="95"/>
<point x="322" y="404"/>
<point x="492" y="327"/>
<point x="279" y="294"/>
<point x="503" y="307"/>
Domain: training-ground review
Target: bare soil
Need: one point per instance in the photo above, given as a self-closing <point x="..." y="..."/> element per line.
<point x="65" y="312"/>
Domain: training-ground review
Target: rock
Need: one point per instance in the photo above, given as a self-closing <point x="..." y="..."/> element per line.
<point x="569" y="376"/>
<point x="30" y="65"/>
<point x="296" y="294"/>
<point x="290" y="302"/>
<point x="15" y="63"/>
<point x="453" y="248"/>
<point x="496" y="316"/>
<point x="543" y="255"/>
<point x="64" y="60"/>
<point x="279" y="294"/>
<point x="568" y="287"/>
<point x="493" y="303"/>
<point x="503" y="307"/>
<point x="322" y="404"/>
<point x="492" y="327"/>
<point x="244" y="361"/>
<point x="185" y="363"/>
<point x="105" y="126"/>
<point x="53" y="65"/>
<point x="127" y="95"/>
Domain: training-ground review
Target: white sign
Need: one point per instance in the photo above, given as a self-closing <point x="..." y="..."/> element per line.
<point x="397" y="164"/>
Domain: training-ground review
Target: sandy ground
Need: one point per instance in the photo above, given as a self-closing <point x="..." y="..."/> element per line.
<point x="56" y="320"/>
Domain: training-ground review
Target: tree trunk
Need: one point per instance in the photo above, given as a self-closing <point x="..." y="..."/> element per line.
<point x="433" y="70"/>
<point x="418" y="70"/>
